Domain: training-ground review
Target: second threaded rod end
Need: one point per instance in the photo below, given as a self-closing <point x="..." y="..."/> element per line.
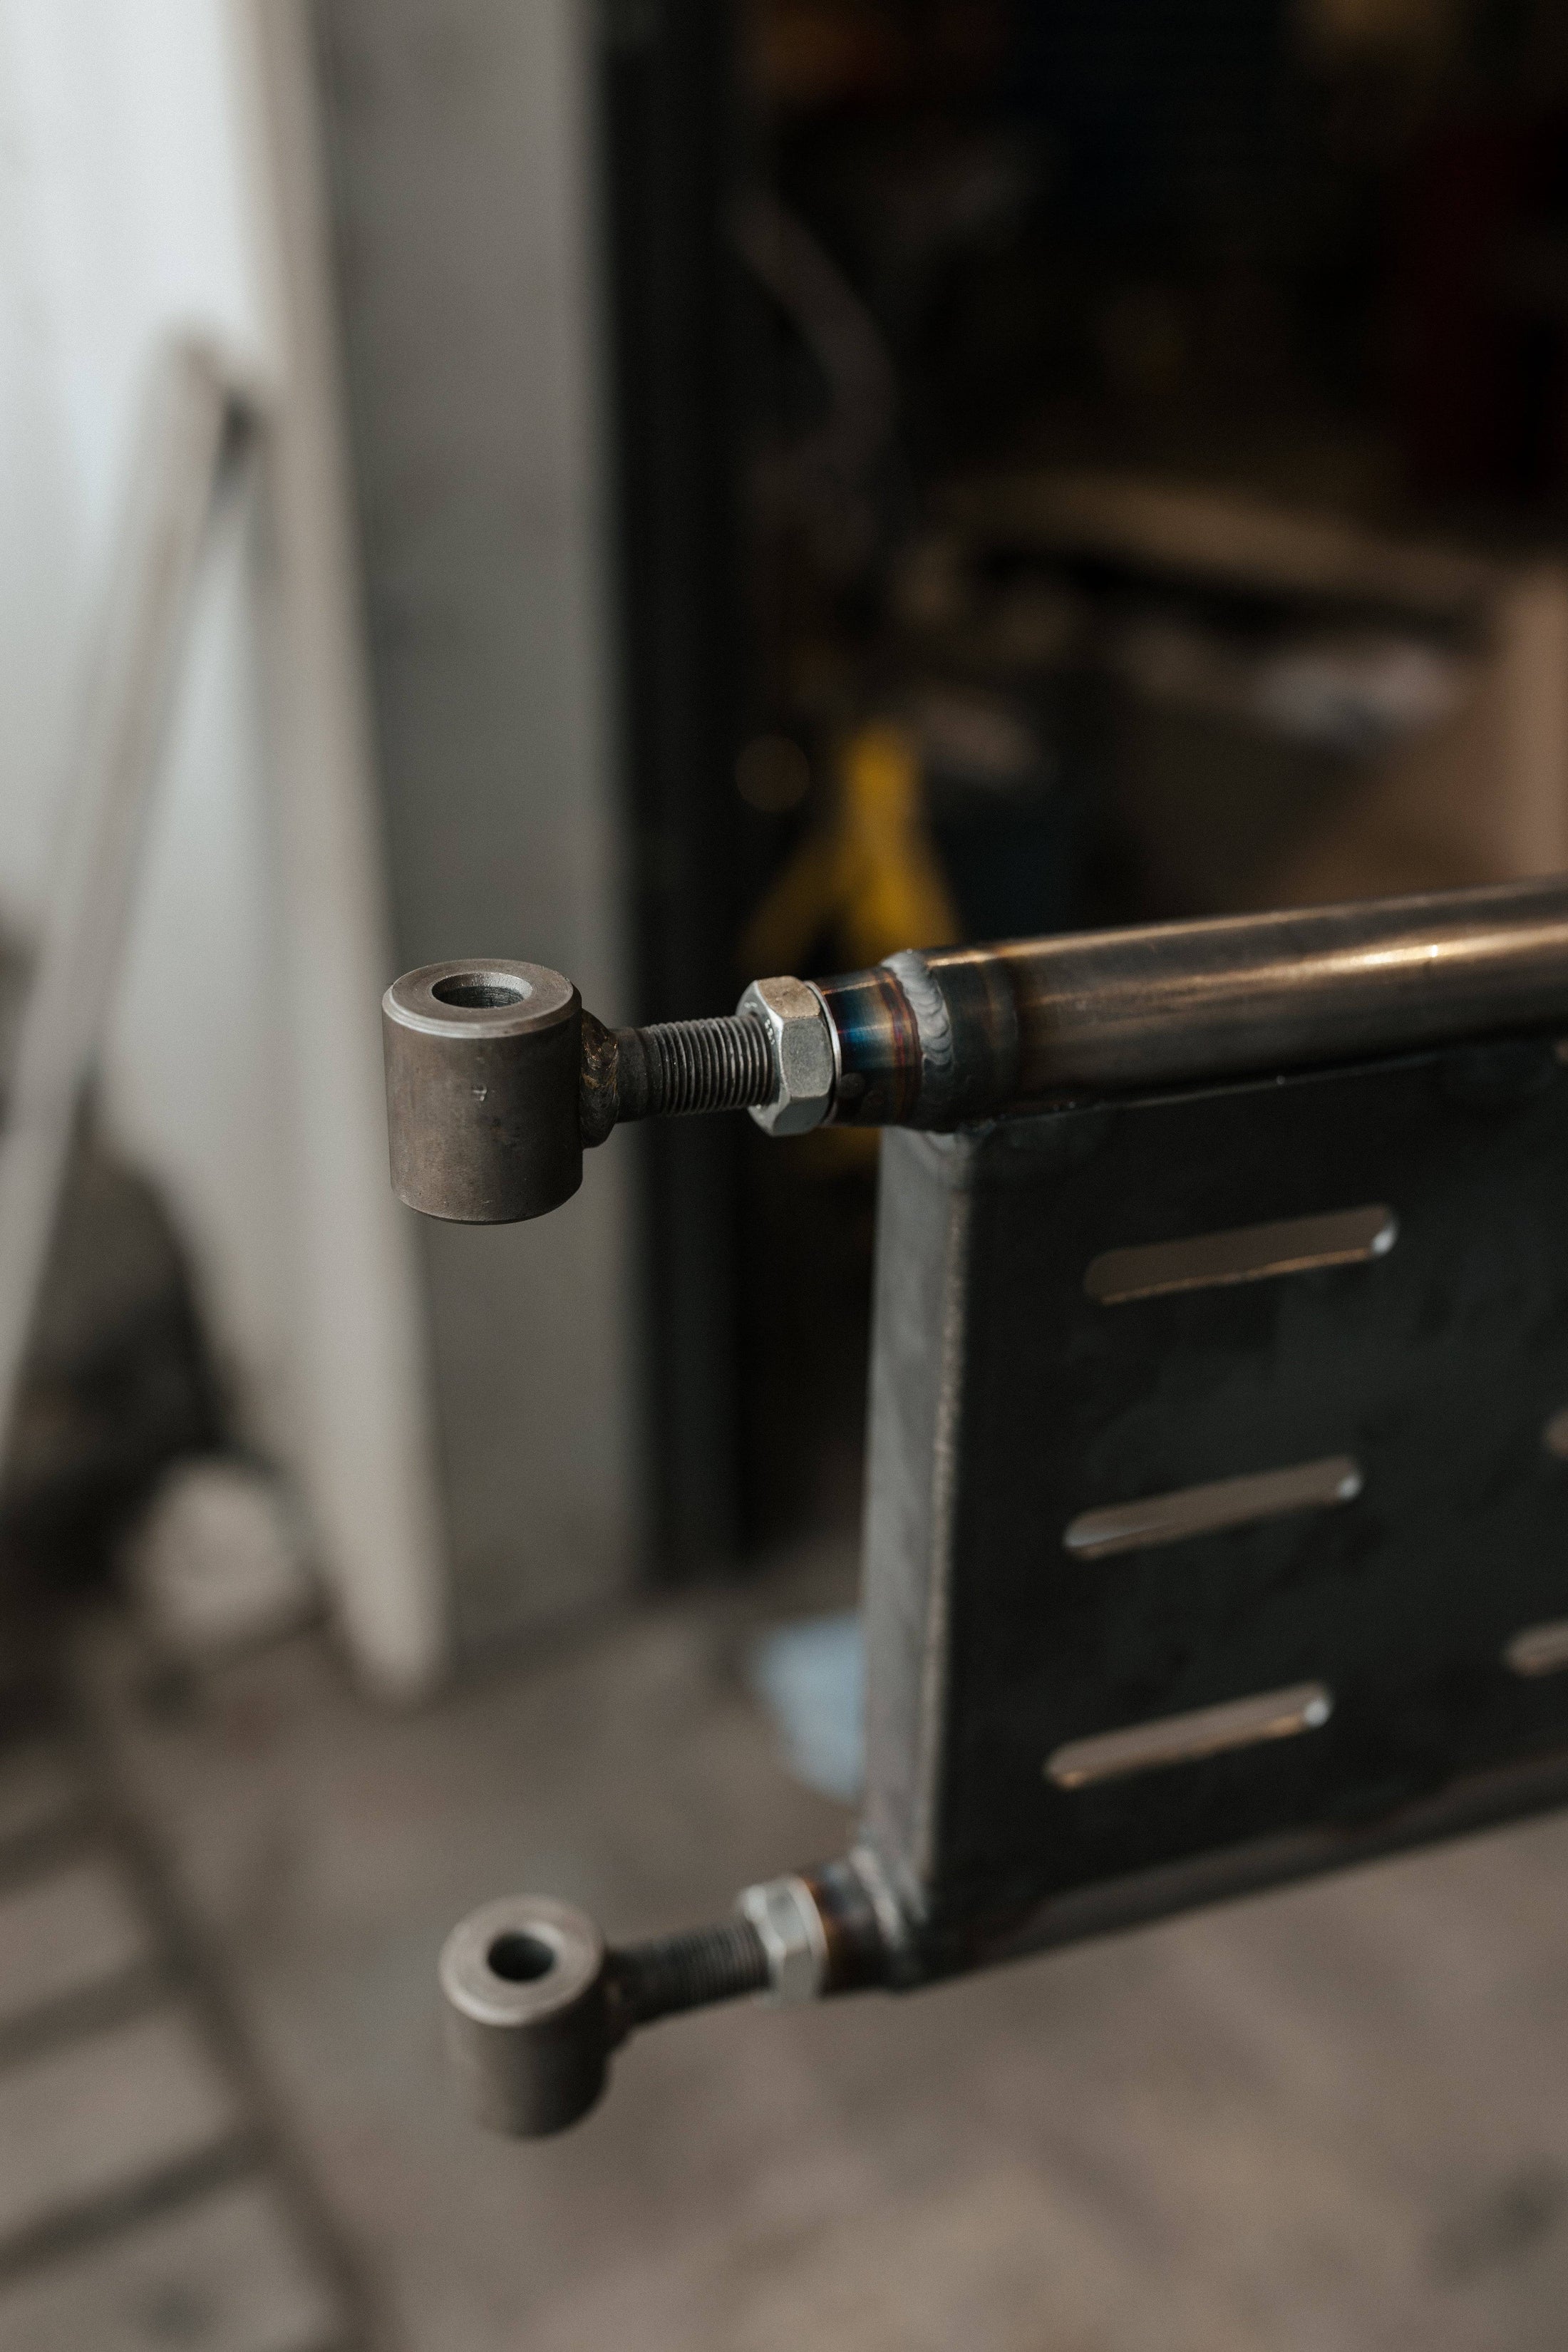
<point x="672" y="1067"/>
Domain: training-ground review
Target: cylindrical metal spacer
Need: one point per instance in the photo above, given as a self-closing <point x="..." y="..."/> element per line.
<point x="528" y="2028"/>
<point x="484" y="1075"/>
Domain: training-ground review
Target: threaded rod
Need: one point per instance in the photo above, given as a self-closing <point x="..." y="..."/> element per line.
<point x="725" y="1063"/>
<point x="672" y="1973"/>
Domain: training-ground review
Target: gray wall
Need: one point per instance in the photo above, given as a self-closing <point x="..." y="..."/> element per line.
<point x="461" y="139"/>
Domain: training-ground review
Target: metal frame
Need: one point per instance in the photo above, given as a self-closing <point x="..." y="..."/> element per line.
<point x="1007" y="1398"/>
<point x="1219" y="1424"/>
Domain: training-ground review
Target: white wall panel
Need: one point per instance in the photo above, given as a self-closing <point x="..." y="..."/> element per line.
<point x="157" y="169"/>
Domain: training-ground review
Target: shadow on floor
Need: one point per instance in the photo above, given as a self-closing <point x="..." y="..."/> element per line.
<point x="1336" y="2117"/>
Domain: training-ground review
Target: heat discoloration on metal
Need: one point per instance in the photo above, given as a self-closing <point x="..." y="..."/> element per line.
<point x="879" y="1049"/>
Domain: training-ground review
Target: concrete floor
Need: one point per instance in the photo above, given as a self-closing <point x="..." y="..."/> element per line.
<point x="1335" y="2118"/>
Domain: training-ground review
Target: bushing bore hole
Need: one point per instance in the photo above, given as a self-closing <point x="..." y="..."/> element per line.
<point x="479" y="992"/>
<point x="520" y="1958"/>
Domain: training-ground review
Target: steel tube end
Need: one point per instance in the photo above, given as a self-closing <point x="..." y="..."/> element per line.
<point x="484" y="1064"/>
<point x="527" y="2027"/>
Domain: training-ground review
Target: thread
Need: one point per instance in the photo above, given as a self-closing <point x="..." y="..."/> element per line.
<point x="725" y="1063"/>
<point x="673" y="1973"/>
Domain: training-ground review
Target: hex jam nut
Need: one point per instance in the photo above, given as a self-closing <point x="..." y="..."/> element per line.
<point x="796" y="1020"/>
<point x="785" y="1916"/>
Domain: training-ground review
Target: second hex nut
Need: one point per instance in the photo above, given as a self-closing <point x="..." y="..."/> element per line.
<point x="784" y="1914"/>
<point x="797" y="1020"/>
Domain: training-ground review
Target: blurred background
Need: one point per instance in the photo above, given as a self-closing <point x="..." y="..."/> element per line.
<point x="739" y="486"/>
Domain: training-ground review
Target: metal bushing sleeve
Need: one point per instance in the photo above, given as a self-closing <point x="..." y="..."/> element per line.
<point x="483" y="1084"/>
<point x="527" y="2031"/>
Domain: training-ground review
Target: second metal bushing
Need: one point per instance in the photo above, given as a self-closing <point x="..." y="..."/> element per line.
<point x="483" y="1089"/>
<point x="527" y="2026"/>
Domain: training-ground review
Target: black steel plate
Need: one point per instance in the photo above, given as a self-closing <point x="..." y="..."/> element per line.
<point x="1436" y="1366"/>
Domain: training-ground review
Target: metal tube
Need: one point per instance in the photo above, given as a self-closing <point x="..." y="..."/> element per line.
<point x="937" y="1039"/>
<point x="492" y="1101"/>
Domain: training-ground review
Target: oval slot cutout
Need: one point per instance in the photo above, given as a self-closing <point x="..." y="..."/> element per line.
<point x="1246" y="1253"/>
<point x="1187" y="1738"/>
<point x="1554" y="1436"/>
<point x="1538" y="1649"/>
<point x="1203" y="1510"/>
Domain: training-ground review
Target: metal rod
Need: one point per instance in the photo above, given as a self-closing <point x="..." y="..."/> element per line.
<point x="497" y="1081"/>
<point x="958" y="1033"/>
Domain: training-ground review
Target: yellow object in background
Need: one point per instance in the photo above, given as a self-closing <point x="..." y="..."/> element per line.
<point x="866" y="881"/>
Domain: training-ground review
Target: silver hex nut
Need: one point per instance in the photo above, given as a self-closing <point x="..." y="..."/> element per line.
<point x="784" y="1914"/>
<point x="797" y="1020"/>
